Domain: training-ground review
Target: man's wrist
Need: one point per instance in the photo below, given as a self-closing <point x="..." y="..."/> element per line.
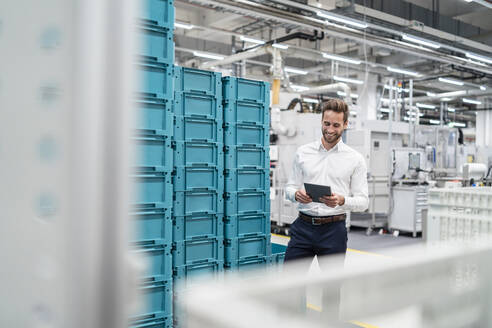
<point x="342" y="202"/>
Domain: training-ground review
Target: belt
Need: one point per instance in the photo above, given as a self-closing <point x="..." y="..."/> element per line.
<point x="319" y="220"/>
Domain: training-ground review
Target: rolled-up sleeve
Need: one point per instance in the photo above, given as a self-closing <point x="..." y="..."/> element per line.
<point x="358" y="201"/>
<point x="295" y="180"/>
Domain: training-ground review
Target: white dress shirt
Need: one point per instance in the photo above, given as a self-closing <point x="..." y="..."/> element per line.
<point x="342" y="168"/>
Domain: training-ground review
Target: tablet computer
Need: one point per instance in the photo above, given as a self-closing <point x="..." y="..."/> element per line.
<point x="316" y="191"/>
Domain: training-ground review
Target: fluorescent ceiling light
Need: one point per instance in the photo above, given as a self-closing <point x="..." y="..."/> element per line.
<point x="446" y="99"/>
<point x="468" y="0"/>
<point x="295" y="71"/>
<point x="406" y="118"/>
<point x="471" y="101"/>
<point x="423" y="42"/>
<point x="280" y="46"/>
<point x="310" y="100"/>
<point x="206" y="55"/>
<point x="299" y="87"/>
<point x="182" y="25"/>
<point x="420" y="105"/>
<point x="343" y="94"/>
<point x="353" y="112"/>
<point x="345" y="79"/>
<point x="434" y="122"/>
<point x="386" y="100"/>
<point x="251" y="40"/>
<point x="458" y="124"/>
<point x="456" y="93"/>
<point x="451" y="109"/>
<point x="384" y="110"/>
<point x="479" y="58"/>
<point x="430" y="94"/>
<point x="450" y="81"/>
<point x="396" y="88"/>
<point x="483" y="87"/>
<point x="342" y="59"/>
<point x="342" y="20"/>
<point x="402" y="71"/>
<point x="414" y="114"/>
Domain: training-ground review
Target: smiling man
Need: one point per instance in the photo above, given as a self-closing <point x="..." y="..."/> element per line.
<point x="320" y="227"/>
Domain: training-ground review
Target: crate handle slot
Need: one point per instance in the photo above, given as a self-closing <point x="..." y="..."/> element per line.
<point x="250" y="99"/>
<point x="200" y="116"/>
<point x="250" y="235"/>
<point x="201" y="261"/>
<point x="200" y="140"/>
<point x="202" y="265"/>
<point x="155" y="169"/>
<point x="202" y="236"/>
<point x="200" y="164"/>
<point x="252" y="260"/>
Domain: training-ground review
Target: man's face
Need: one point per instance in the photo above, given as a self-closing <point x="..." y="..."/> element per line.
<point x="332" y="126"/>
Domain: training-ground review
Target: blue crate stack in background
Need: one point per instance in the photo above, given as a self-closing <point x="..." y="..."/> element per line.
<point x="247" y="179"/>
<point x="201" y="180"/>
<point x="153" y="190"/>
<point x="198" y="179"/>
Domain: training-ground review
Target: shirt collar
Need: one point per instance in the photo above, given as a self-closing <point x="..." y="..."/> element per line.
<point x="338" y="147"/>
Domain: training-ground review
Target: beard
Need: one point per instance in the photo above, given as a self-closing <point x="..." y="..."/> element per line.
<point x="330" y="138"/>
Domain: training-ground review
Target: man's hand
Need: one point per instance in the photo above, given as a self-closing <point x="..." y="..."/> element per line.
<point x="302" y="197"/>
<point x="333" y="200"/>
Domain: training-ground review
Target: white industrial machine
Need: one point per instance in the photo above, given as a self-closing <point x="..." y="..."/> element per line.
<point x="373" y="143"/>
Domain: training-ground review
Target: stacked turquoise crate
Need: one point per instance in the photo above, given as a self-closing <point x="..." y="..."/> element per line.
<point x="198" y="176"/>
<point x="247" y="179"/>
<point x="152" y="134"/>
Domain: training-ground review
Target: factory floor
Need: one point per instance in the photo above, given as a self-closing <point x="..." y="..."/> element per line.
<point x="375" y="248"/>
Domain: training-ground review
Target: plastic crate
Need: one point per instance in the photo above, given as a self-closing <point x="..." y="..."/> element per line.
<point x="198" y="202"/>
<point x="198" y="81"/>
<point x="239" y="157"/>
<point x="189" y="276"/>
<point x="155" y="43"/>
<point x="198" y="178"/>
<point x="247" y="225"/>
<point x="153" y="153"/>
<point x="246" y="90"/>
<point x="239" y="249"/>
<point x="197" y="129"/>
<point x="198" y="227"/>
<point x="163" y="322"/>
<point x="156" y="257"/>
<point x="197" y="105"/>
<point x="152" y="224"/>
<point x="249" y="266"/>
<point x="154" y="114"/>
<point x="247" y="180"/>
<point x="198" y="154"/>
<point x="247" y="135"/>
<point x="154" y="80"/>
<point x="198" y="251"/>
<point x="278" y="248"/>
<point x="157" y="12"/>
<point x="156" y="294"/>
<point x="238" y="203"/>
<point x="246" y="112"/>
<point x="152" y="189"/>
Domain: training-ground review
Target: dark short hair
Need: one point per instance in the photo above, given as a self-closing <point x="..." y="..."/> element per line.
<point x="336" y="105"/>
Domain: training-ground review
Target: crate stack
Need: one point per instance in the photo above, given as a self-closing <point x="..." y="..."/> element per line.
<point x="247" y="181"/>
<point x="153" y="191"/>
<point x="198" y="178"/>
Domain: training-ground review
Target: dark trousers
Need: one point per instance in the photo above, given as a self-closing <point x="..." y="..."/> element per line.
<point x="308" y="240"/>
